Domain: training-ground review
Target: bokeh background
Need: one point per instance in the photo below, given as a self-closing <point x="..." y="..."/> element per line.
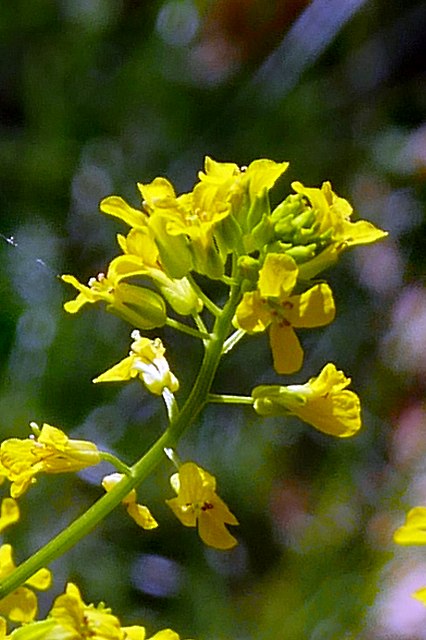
<point x="96" y="95"/>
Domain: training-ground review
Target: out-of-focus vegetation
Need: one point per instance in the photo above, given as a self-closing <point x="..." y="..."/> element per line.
<point x="99" y="94"/>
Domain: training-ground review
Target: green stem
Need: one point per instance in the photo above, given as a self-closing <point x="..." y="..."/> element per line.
<point x="233" y="340"/>
<point x="211" y="306"/>
<point x="220" y="398"/>
<point x="195" y="402"/>
<point x="116" y="462"/>
<point x="185" y="329"/>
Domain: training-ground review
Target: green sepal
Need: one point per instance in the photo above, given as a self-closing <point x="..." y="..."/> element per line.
<point x="142" y="307"/>
<point x="302" y="253"/>
<point x="276" y="400"/>
<point x="228" y="235"/>
<point x="260" y="206"/>
<point x="41" y="630"/>
<point x="174" y="250"/>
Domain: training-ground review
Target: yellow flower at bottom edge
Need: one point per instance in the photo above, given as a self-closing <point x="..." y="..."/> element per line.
<point x="21" y="604"/>
<point x="197" y="504"/>
<point x="414" y="529"/>
<point x="47" y="450"/>
<point x="76" y="620"/>
<point x="139" y="512"/>
<point x="323" y="402"/>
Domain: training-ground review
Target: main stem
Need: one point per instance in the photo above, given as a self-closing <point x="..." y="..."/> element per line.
<point x="195" y="402"/>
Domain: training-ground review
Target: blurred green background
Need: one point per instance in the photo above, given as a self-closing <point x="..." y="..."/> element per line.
<point x="96" y="95"/>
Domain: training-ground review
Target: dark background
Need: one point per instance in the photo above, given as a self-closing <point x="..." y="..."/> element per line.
<point x="96" y="95"/>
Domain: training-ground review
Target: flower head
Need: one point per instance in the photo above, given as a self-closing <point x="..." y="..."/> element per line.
<point x="146" y="361"/>
<point x="197" y="504"/>
<point x="21" y="605"/>
<point x="323" y="402"/>
<point x="139" y="512"/>
<point x="275" y="305"/>
<point x="47" y="450"/>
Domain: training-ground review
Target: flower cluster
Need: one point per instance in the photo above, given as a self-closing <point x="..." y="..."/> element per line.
<point x="270" y="258"/>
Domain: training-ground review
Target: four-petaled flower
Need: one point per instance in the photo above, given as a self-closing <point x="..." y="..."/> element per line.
<point x="146" y="361"/>
<point x="323" y="402"/>
<point x="275" y="305"/>
<point x="21" y="604"/>
<point x="47" y="450"/>
<point x="197" y="504"/>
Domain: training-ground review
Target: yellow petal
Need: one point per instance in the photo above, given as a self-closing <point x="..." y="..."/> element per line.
<point x="20" y="605"/>
<point x="278" y="275"/>
<point x="116" y="206"/>
<point x="9" y="513"/>
<point x="142" y="516"/>
<point x="123" y="370"/>
<point x="313" y="308"/>
<point x="253" y="314"/>
<point x="41" y="580"/>
<point x="420" y="595"/>
<point x="213" y="532"/>
<point x="286" y="349"/>
<point x="414" y="529"/>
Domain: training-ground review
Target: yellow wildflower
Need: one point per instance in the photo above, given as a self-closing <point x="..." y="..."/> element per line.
<point x="323" y="402"/>
<point x="47" y="450"/>
<point x="21" y="605"/>
<point x="76" y="620"/>
<point x="146" y="361"/>
<point x="274" y="305"/>
<point x="197" y="504"/>
<point x="9" y="513"/>
<point x="414" y="529"/>
<point x="139" y="512"/>
<point x="139" y="306"/>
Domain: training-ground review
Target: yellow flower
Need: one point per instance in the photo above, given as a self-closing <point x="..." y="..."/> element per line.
<point x="274" y="305"/>
<point x="21" y="605"/>
<point x="197" y="503"/>
<point x="139" y="306"/>
<point x="48" y="450"/>
<point x="414" y="529"/>
<point x="139" y="512"/>
<point x="323" y="402"/>
<point x="76" y="620"/>
<point x="9" y="513"/>
<point x="146" y="361"/>
<point x="334" y="213"/>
